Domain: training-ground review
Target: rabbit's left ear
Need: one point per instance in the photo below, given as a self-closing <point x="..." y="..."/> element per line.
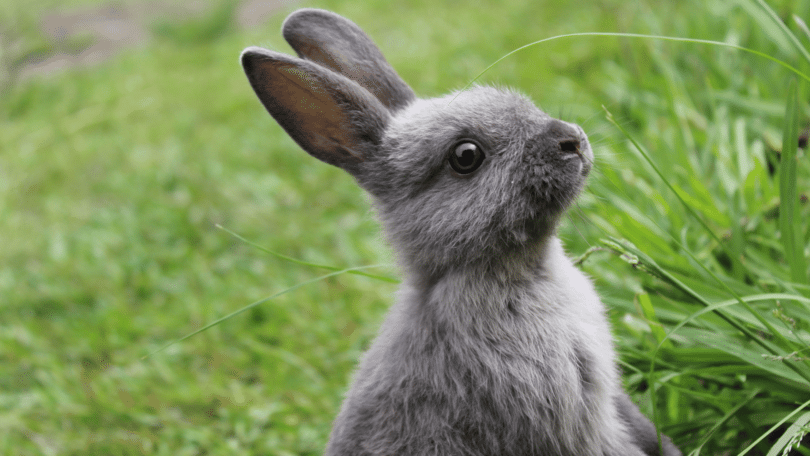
<point x="331" y="117"/>
<point x="337" y="43"/>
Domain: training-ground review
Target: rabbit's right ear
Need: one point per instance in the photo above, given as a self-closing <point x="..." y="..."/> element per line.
<point x="331" y="117"/>
<point x="339" y="44"/>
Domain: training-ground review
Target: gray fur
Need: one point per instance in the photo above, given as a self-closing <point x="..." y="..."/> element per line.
<point x="496" y="344"/>
<point x="338" y="44"/>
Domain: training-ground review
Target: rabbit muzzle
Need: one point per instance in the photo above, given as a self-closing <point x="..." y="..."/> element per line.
<point x="554" y="165"/>
<point x="569" y="142"/>
<point x="561" y="150"/>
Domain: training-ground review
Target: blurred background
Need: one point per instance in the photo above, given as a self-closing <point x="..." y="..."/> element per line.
<point x="128" y="134"/>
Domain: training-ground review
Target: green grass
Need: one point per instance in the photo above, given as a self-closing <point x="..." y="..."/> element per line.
<point x="114" y="178"/>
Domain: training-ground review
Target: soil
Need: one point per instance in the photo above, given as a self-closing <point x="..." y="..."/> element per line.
<point x="113" y="27"/>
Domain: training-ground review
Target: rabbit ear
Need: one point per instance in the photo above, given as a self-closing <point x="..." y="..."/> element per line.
<point x="328" y="115"/>
<point x="340" y="45"/>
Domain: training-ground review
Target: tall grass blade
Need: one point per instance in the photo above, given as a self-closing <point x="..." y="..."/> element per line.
<point x="725" y="418"/>
<point x="731" y="302"/>
<point x="644" y="262"/>
<point x="769" y="20"/>
<point x="666" y="181"/>
<point x="791" y="437"/>
<point x="802" y="25"/>
<point x="639" y="36"/>
<point x="789" y="222"/>
<point x="256" y="303"/>
<point x="649" y="313"/>
<point x="773" y="428"/>
<point x="306" y="263"/>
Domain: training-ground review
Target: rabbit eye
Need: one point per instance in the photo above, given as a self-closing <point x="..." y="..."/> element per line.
<point x="466" y="157"/>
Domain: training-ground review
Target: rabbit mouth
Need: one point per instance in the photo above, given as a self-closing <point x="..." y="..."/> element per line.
<point x="577" y="149"/>
<point x="581" y="152"/>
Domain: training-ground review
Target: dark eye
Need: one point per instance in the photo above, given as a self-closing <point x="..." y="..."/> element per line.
<point x="466" y="157"/>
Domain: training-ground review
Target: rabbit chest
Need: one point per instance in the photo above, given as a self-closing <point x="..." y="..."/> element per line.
<point x="488" y="367"/>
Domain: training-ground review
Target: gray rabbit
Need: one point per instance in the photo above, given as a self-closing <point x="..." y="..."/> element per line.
<point x="496" y="344"/>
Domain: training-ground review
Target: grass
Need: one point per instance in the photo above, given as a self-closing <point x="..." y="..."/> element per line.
<point x="114" y="179"/>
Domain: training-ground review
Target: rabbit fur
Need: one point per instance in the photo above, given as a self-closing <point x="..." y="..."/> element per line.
<point x="496" y="344"/>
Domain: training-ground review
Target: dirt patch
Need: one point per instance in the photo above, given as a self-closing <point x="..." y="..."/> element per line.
<point x="111" y="28"/>
<point x="253" y="13"/>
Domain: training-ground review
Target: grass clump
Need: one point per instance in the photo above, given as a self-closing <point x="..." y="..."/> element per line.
<point x="716" y="218"/>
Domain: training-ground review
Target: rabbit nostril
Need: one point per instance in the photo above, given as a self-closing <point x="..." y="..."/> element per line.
<point x="570" y="145"/>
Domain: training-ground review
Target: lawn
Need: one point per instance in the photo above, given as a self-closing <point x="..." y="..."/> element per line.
<point x="117" y="179"/>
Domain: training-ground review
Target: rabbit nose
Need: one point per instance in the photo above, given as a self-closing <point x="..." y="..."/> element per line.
<point x="569" y="145"/>
<point x="565" y="136"/>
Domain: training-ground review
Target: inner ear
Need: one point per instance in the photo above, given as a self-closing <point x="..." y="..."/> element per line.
<point x="316" y="119"/>
<point x="329" y="116"/>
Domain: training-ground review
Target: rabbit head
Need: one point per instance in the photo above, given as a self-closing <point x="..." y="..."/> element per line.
<point x="478" y="177"/>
